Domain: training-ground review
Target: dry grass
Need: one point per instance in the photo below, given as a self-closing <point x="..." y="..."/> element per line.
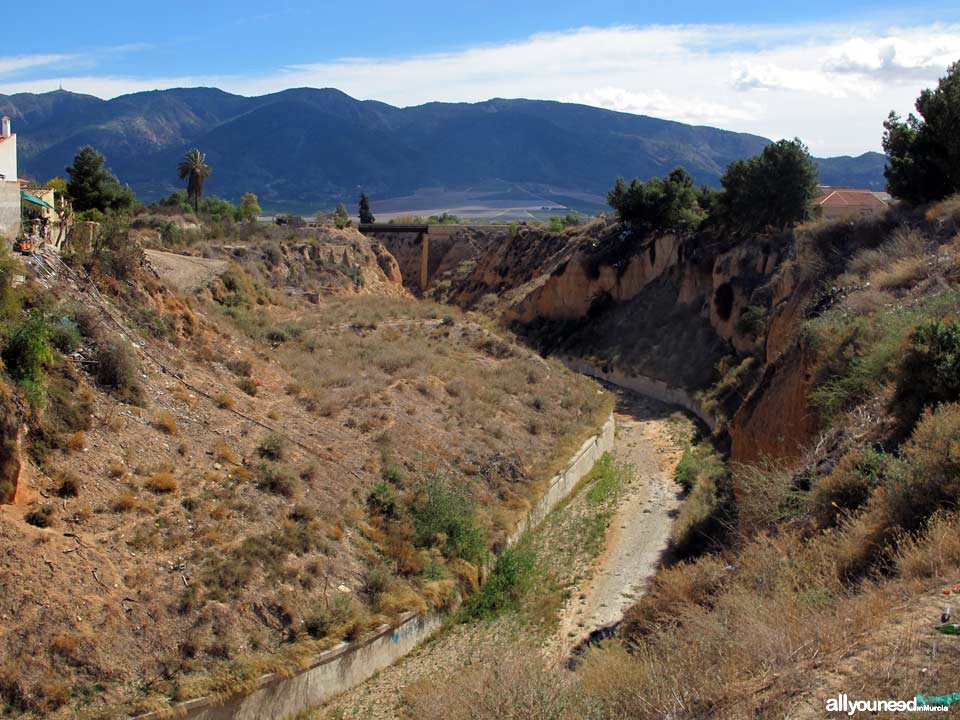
<point x="124" y="503"/>
<point x="222" y="453"/>
<point x="224" y="401"/>
<point x="165" y="422"/>
<point x="76" y="441"/>
<point x="162" y="483"/>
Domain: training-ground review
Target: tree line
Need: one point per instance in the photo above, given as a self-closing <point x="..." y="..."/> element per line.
<point x="775" y="189"/>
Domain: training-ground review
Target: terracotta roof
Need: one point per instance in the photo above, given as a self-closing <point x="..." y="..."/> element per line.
<point x="12" y="135"/>
<point x="846" y="198"/>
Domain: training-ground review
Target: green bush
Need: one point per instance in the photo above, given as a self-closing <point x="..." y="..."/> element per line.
<point x="752" y="320"/>
<point x="860" y="354"/>
<point x="27" y="354"/>
<point x="272" y="447"/>
<point x="65" y="335"/>
<point x="930" y="370"/>
<point x="705" y="513"/>
<point x="276" y="479"/>
<point x="445" y="517"/>
<point x="512" y="577"/>
<point x="382" y="500"/>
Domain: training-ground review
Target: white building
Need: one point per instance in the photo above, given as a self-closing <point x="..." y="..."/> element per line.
<point x="9" y="185"/>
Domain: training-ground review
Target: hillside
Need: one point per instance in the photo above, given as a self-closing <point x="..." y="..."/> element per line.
<point x="302" y="149"/>
<point x="215" y="466"/>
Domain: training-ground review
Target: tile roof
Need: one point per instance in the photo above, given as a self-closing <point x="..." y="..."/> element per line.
<point x="846" y="198"/>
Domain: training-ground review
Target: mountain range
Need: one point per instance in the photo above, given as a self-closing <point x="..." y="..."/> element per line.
<point x="303" y="149"/>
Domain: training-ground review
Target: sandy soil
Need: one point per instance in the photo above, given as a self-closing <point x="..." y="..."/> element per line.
<point x="647" y="439"/>
<point x="184" y="272"/>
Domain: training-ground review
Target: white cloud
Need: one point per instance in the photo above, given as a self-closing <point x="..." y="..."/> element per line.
<point x="660" y="104"/>
<point x="16" y="63"/>
<point x="830" y="84"/>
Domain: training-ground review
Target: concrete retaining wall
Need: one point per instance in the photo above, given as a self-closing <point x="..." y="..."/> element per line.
<point x="562" y="484"/>
<point x="349" y="664"/>
<point x="657" y="389"/>
<point x="333" y="672"/>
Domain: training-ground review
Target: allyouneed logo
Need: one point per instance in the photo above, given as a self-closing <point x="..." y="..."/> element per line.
<point x="843" y="704"/>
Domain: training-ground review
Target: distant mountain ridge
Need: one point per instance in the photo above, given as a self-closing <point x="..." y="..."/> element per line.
<point x="303" y="148"/>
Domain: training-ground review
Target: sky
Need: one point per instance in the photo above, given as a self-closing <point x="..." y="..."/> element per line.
<point x="826" y="72"/>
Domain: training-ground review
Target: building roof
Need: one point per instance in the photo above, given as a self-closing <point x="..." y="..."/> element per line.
<point x="845" y="197"/>
<point x="11" y="135"/>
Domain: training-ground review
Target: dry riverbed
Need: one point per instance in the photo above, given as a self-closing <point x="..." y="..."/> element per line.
<point x="594" y="554"/>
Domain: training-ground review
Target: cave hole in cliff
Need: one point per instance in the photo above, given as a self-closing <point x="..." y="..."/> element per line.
<point x="723" y="301"/>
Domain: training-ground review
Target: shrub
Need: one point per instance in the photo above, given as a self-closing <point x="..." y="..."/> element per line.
<point x="752" y="320"/>
<point x="394" y="474"/>
<point x="123" y="503"/>
<point x="512" y="577"/>
<point x="276" y="479"/>
<point x="69" y="486"/>
<point x="27" y="354"/>
<point x="224" y="401"/>
<point x="930" y="370"/>
<point x="248" y="385"/>
<point x="162" y="483"/>
<point x="223" y="454"/>
<point x="445" y="516"/>
<point x="377" y="581"/>
<point x="272" y="447"/>
<point x="703" y="518"/>
<point x="87" y="321"/>
<point x="118" y="370"/>
<point x="165" y="422"/>
<point x="40" y="517"/>
<point x="240" y="367"/>
<point x="65" y="335"/>
<point x="850" y="484"/>
<point x="382" y="500"/>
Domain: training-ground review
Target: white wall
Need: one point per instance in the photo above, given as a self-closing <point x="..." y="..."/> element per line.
<point x="9" y="209"/>
<point x="8" y="157"/>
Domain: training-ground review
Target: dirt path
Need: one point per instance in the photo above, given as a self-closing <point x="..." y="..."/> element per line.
<point x="650" y="438"/>
<point x="184" y="271"/>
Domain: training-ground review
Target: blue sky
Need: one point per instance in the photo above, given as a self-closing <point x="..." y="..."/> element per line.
<point x="826" y="71"/>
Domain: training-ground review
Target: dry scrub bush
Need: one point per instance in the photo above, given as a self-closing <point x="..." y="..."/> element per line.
<point x="165" y="422"/>
<point x="933" y="553"/>
<point x="905" y="244"/>
<point x="123" y="503"/>
<point x="222" y="453"/>
<point x="161" y="482"/>
<point x="767" y="495"/>
<point x="504" y="685"/>
<point x="76" y="441"/>
<point x="224" y="401"/>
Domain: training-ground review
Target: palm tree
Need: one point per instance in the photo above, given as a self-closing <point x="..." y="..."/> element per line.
<point x="194" y="169"/>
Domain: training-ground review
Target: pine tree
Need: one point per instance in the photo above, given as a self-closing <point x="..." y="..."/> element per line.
<point x="365" y="215"/>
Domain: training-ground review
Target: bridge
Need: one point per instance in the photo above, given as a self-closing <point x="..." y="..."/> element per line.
<point x="410" y="245"/>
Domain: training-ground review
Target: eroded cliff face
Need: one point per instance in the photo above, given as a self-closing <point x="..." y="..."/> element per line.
<point x="665" y="308"/>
